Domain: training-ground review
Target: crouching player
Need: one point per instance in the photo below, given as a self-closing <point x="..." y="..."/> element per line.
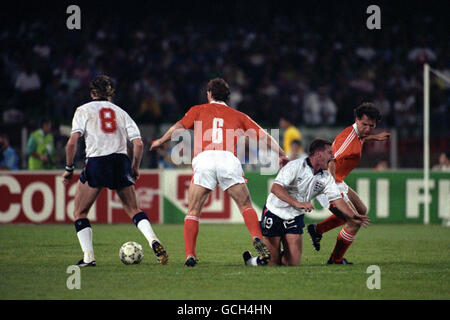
<point x="106" y="128"/>
<point x="295" y="186"/>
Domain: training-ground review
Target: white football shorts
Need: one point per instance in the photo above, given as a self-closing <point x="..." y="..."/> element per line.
<point x="343" y="188"/>
<point x="213" y="167"/>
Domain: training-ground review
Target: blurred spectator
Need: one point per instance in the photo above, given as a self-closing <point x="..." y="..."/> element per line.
<point x="40" y="147"/>
<point x="405" y="116"/>
<point x="149" y="110"/>
<point x="290" y="133"/>
<point x="28" y="80"/>
<point x="9" y="160"/>
<point x="319" y="108"/>
<point x="381" y="165"/>
<point x="422" y="53"/>
<point x="384" y="106"/>
<point x="296" y="150"/>
<point x="444" y="162"/>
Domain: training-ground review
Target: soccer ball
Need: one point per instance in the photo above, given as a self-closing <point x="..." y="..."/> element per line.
<point x="131" y="253"/>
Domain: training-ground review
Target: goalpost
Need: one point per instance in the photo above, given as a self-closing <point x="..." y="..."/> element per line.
<point x="426" y="134"/>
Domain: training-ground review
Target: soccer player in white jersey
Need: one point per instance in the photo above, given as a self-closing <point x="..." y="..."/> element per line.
<point x="296" y="184"/>
<point x="106" y="128"/>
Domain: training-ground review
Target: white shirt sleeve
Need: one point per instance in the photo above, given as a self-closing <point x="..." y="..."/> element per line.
<point x="287" y="174"/>
<point x="132" y="129"/>
<point x="79" y="121"/>
<point x="331" y="190"/>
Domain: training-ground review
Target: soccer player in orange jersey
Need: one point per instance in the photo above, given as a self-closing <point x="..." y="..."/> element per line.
<point x="347" y="150"/>
<point x="216" y="130"/>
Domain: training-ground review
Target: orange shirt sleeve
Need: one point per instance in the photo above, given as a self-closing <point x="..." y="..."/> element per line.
<point x="188" y="120"/>
<point x="249" y="124"/>
<point x="335" y="147"/>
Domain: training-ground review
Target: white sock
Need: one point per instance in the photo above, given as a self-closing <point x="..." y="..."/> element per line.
<point x="253" y="261"/>
<point x="146" y="228"/>
<point x="85" y="239"/>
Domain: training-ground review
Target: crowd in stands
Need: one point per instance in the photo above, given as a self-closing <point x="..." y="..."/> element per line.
<point x="314" y="69"/>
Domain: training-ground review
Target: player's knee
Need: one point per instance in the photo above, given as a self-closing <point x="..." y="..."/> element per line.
<point x="291" y="261"/>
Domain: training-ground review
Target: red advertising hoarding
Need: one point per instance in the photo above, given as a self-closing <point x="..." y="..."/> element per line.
<point x="41" y="197"/>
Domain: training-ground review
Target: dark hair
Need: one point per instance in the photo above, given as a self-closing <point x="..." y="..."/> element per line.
<point x="297" y="142"/>
<point x="102" y="87"/>
<point x="219" y="88"/>
<point x="368" y="109"/>
<point x="44" y="120"/>
<point x="318" y="145"/>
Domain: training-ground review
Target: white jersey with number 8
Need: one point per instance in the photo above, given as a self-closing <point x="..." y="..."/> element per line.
<point x="106" y="128"/>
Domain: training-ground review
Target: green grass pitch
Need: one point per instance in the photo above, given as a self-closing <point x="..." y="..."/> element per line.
<point x="414" y="261"/>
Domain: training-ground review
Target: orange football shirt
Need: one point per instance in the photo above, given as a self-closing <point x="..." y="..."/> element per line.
<point x="347" y="150"/>
<point x="217" y="127"/>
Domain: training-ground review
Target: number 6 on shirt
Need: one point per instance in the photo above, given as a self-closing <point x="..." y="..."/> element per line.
<point x="108" y="120"/>
<point x="217" y="132"/>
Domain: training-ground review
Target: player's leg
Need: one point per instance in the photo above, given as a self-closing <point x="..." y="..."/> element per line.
<point x="350" y="229"/>
<point x="344" y="239"/>
<point x="197" y="197"/>
<point x="273" y="245"/>
<point x="357" y="202"/>
<point x="128" y="198"/>
<point x="316" y="230"/>
<point x="84" y="199"/>
<point x="292" y="244"/>
<point x="241" y="196"/>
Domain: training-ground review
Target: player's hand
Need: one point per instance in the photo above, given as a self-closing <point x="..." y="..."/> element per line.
<point x="363" y="220"/>
<point x="156" y="144"/>
<point x="282" y="161"/>
<point x="307" y="206"/>
<point x="135" y="173"/>
<point x="67" y="176"/>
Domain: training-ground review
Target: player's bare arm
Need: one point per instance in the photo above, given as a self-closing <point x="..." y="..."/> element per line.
<point x="349" y="214"/>
<point x="382" y="136"/>
<point x="137" y="157"/>
<point x="272" y="144"/>
<point x="283" y="195"/>
<point x="71" y="149"/>
<point x="166" y="137"/>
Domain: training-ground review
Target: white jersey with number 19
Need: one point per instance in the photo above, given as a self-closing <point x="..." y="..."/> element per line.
<point x="106" y="128"/>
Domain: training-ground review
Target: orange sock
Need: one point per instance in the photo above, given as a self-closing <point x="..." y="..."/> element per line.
<point x="252" y="222"/>
<point x="329" y="223"/>
<point x="191" y="226"/>
<point x="344" y="240"/>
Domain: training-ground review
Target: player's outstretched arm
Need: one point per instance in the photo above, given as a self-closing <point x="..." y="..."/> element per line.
<point x="282" y="194"/>
<point x="71" y="149"/>
<point x="349" y="214"/>
<point x="272" y="144"/>
<point x="166" y="137"/>
<point x="382" y="136"/>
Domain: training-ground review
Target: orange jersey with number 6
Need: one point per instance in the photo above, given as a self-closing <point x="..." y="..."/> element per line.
<point x="217" y="127"/>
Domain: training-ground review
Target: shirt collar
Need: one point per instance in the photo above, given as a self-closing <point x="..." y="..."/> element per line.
<point x="308" y="162"/>
<point x="219" y="102"/>
<point x="356" y="129"/>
